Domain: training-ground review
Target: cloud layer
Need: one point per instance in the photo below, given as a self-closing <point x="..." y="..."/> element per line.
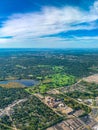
<point x="38" y="27"/>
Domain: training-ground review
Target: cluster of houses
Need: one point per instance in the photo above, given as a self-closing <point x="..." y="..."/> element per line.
<point x="74" y="122"/>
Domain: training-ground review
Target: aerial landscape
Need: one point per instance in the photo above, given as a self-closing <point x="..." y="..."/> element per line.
<point x="49" y="65"/>
<point x="49" y="89"/>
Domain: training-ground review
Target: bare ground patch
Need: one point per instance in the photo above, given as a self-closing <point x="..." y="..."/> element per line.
<point x="92" y="78"/>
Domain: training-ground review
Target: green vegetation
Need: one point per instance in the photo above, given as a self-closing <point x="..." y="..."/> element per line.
<point x="4" y="127"/>
<point x="58" y="69"/>
<point x="83" y="90"/>
<point x="53" y="81"/>
<point x="76" y="106"/>
<point x="63" y="80"/>
<point x="53" y="69"/>
<point x="9" y="95"/>
<point x="72" y="103"/>
<point x="81" y="95"/>
<point x="5" y="123"/>
<point x="34" y="64"/>
<point x="32" y="115"/>
<point x="89" y="86"/>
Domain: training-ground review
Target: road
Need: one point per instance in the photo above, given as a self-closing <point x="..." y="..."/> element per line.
<point x="7" y="110"/>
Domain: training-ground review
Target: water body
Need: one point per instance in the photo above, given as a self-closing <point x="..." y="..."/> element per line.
<point x="26" y="82"/>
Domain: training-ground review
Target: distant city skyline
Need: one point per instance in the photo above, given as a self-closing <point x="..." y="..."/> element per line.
<point x="49" y="24"/>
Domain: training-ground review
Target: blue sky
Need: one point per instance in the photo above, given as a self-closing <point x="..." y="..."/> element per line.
<point x="49" y="24"/>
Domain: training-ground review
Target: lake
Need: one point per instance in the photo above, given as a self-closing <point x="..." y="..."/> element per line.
<point x="26" y="82"/>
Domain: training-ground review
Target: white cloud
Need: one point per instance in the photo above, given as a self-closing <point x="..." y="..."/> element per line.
<point x="86" y="38"/>
<point x="49" y="21"/>
<point x="3" y="40"/>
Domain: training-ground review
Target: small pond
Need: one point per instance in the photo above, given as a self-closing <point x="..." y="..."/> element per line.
<point x="26" y="82"/>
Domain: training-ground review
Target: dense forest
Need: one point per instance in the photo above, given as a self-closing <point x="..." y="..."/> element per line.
<point x="36" y="64"/>
<point x="9" y="95"/>
<point x="30" y="115"/>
